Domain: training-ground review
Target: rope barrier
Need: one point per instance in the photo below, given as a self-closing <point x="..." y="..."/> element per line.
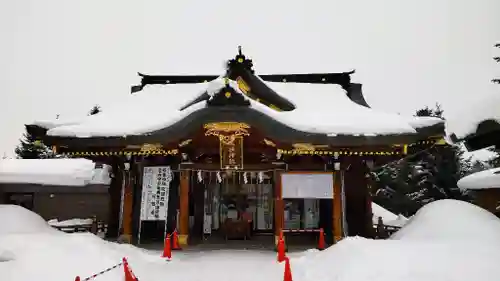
<point x="103" y="272"/>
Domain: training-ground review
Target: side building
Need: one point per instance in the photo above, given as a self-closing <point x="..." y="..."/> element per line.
<point x="241" y="155"/>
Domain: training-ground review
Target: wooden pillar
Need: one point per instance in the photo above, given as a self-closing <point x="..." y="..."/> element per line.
<point x="337" y="207"/>
<point x="128" y="199"/>
<point x="279" y="206"/>
<point x="184" y="209"/>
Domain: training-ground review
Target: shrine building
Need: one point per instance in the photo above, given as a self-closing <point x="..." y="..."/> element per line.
<point x="241" y="155"/>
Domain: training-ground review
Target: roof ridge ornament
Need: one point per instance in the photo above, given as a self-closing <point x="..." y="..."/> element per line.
<point x="240" y="61"/>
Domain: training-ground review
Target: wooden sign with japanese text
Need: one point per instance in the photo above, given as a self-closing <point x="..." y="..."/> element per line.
<point x="231" y="154"/>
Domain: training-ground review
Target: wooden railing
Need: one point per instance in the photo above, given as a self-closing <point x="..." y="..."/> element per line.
<point x="384" y="231"/>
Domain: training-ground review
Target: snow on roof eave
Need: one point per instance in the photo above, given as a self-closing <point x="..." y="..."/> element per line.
<point x="58" y="172"/>
<point x="487" y="179"/>
<point x="464" y="125"/>
<point x="277" y="93"/>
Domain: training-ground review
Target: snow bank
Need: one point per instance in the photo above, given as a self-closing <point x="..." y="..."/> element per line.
<point x="52" y="255"/>
<point x="70" y="172"/>
<point x="446" y="220"/>
<point x="355" y="259"/>
<point x="445" y="240"/>
<point x="481" y="180"/>
<point x="16" y="220"/>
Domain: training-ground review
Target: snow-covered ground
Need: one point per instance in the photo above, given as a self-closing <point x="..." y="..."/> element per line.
<point x="446" y="240"/>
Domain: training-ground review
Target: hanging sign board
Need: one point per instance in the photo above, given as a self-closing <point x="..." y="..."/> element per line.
<point x="155" y="192"/>
<point x="231" y="153"/>
<point x="316" y="186"/>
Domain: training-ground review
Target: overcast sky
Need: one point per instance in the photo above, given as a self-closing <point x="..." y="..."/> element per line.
<point x="62" y="57"/>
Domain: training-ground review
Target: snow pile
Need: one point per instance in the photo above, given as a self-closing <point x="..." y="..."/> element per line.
<point x="445" y="240"/>
<point x="427" y="250"/>
<point x="37" y="254"/>
<point x="158" y="106"/>
<point x="65" y="172"/>
<point x="481" y="180"/>
<point x="462" y="125"/>
<point x="18" y="220"/>
<point x="355" y="259"/>
<point x="451" y="220"/>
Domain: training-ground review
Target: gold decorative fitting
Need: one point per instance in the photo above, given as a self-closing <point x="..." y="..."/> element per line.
<point x="304" y="146"/>
<point x="184" y="143"/>
<point x="240" y="60"/>
<point x="269" y="143"/>
<point x="242" y="85"/>
<point x="226" y="80"/>
<point x="227" y="131"/>
<point x="328" y="153"/>
<point x="151" y="146"/>
<point x="114" y="153"/>
<point x="228" y="94"/>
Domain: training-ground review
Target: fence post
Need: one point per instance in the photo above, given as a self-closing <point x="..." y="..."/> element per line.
<point x="94" y="228"/>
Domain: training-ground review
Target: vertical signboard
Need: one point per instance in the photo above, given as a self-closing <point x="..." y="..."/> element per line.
<point x="155" y="191"/>
<point x="231" y="153"/>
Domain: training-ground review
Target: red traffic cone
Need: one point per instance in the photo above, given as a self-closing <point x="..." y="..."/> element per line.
<point x="321" y="240"/>
<point x="167" y="250"/>
<point x="175" y="241"/>
<point x="287" y="276"/>
<point x="281" y="250"/>
<point x="77" y="278"/>
<point x="129" y="275"/>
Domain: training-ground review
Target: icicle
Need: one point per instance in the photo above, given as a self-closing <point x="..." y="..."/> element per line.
<point x="200" y="178"/>
<point x="219" y="179"/>
<point x="245" y="180"/>
<point x="261" y="177"/>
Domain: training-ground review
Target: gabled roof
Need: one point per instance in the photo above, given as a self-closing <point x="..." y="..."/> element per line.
<point x="319" y="112"/>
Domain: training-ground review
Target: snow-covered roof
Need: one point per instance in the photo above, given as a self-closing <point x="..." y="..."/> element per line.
<point x="62" y="172"/>
<point x="466" y="123"/>
<point x="320" y="108"/>
<point x="481" y="180"/>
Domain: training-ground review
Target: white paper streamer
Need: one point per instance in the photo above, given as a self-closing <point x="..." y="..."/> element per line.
<point x="200" y="178"/>
<point x="245" y="180"/>
<point x="219" y="179"/>
<point x="261" y="177"/>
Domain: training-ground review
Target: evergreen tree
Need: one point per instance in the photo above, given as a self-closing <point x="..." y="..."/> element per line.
<point x="495" y="162"/>
<point x="497" y="59"/>
<point x="406" y="185"/>
<point x="30" y="148"/>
